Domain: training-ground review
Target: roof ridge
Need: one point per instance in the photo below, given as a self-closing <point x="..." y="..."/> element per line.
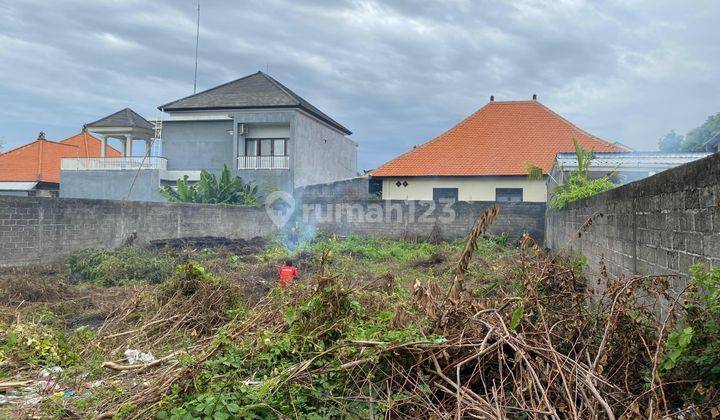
<point x="209" y="90"/>
<point x="609" y="143"/>
<point x="33" y="142"/>
<point x="286" y="90"/>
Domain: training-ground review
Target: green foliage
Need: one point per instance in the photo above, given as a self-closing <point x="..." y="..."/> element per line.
<point x="249" y="378"/>
<point x="43" y="345"/>
<point x="373" y="249"/>
<point x="516" y="318"/>
<point x="693" y="349"/>
<point x="577" y="187"/>
<point x="535" y="173"/>
<point x="583" y="157"/>
<point x="226" y="189"/>
<point x="578" y="184"/>
<point x="695" y="139"/>
<point x="670" y="142"/>
<point x="123" y="266"/>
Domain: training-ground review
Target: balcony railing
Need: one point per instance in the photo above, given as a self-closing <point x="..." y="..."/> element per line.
<point x="263" y="162"/>
<point x="113" y="163"/>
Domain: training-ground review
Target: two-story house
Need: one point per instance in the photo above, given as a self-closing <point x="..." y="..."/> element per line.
<point x="263" y="131"/>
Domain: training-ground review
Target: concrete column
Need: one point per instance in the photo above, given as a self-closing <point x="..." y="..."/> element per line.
<point x="103" y="141"/>
<point x="123" y="148"/>
<point x="148" y="145"/>
<point x="128" y="148"/>
<point x="236" y="144"/>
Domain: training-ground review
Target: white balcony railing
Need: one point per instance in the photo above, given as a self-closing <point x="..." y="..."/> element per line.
<point x="113" y="163"/>
<point x="263" y="162"/>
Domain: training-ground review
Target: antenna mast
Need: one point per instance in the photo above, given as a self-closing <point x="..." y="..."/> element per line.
<point x="197" y="42"/>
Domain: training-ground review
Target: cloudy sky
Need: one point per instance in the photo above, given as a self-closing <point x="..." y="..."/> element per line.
<point x="396" y="72"/>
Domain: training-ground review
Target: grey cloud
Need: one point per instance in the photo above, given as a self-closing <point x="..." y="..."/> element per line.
<point x="397" y="73"/>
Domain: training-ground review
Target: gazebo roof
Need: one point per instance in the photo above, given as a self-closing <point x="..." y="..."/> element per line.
<point x="123" y="118"/>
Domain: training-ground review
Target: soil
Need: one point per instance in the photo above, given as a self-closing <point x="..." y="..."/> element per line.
<point x="238" y="247"/>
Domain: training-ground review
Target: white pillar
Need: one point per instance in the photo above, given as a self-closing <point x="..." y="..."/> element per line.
<point x="123" y="148"/>
<point x="128" y="148"/>
<point x="148" y="145"/>
<point x="103" y="141"/>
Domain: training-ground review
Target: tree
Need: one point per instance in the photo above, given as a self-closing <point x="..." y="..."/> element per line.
<point x="695" y="139"/>
<point x="212" y="190"/>
<point x="670" y="142"/>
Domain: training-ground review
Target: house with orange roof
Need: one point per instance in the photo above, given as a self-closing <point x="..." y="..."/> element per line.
<point x="34" y="169"/>
<point x="486" y="156"/>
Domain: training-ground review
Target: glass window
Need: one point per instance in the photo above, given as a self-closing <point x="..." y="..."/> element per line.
<point x="449" y="194"/>
<point x="279" y="147"/>
<point x="509" y="195"/>
<point x="250" y="147"/>
<point x="265" y="147"/>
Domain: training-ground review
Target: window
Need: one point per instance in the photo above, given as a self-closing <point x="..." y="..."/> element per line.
<point x="279" y="147"/>
<point x="509" y="195"/>
<point x="266" y="147"/>
<point x="250" y="147"/>
<point x="446" y="194"/>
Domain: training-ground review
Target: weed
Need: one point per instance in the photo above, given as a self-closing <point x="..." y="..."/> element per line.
<point x="123" y="266"/>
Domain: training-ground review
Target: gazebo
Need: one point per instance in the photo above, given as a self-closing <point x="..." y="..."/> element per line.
<point x="125" y="125"/>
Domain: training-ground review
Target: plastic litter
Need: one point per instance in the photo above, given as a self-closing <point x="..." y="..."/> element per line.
<point x="136" y="356"/>
<point x="47" y="372"/>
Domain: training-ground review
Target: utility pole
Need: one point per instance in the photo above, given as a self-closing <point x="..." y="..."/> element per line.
<point x="197" y="42"/>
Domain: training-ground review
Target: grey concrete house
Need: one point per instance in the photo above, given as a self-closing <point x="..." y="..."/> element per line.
<point x="260" y="129"/>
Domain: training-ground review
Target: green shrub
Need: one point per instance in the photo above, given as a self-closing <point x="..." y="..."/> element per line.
<point x="250" y="377"/>
<point x="374" y="249"/>
<point x="579" y="187"/>
<point x="693" y="349"/>
<point x="120" y="267"/>
<point x="226" y="189"/>
<point x="42" y="345"/>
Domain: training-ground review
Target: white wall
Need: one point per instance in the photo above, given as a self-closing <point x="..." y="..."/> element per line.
<point x="481" y="188"/>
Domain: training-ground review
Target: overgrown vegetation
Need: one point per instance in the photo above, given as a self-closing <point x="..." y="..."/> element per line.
<point x="227" y="189"/>
<point x="374" y="328"/>
<point x="120" y="267"/>
<point x="577" y="184"/>
<point x="693" y="348"/>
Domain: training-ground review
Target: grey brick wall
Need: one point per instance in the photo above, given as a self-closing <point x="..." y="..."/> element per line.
<point x="660" y="225"/>
<point x="41" y="230"/>
<point x="418" y="219"/>
<point x="346" y="189"/>
<point x="37" y="230"/>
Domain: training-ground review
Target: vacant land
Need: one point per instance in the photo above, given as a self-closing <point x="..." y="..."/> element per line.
<point x="373" y="329"/>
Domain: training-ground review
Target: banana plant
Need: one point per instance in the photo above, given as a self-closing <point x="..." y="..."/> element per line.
<point x="226" y="189"/>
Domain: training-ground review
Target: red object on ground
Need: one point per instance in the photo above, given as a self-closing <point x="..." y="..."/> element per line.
<point x="287" y="274"/>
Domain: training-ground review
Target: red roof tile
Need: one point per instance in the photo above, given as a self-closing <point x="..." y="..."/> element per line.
<point x="40" y="160"/>
<point x="501" y="138"/>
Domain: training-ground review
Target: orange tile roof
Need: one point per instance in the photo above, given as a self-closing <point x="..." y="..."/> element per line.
<point x="40" y="159"/>
<point x="501" y="138"/>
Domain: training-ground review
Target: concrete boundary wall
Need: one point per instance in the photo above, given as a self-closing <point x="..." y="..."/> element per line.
<point x="43" y="230"/>
<point x="37" y="230"/>
<point x="659" y="225"/>
<point x="419" y="220"/>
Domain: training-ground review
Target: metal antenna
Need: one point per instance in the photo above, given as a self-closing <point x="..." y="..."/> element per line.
<point x="197" y="42"/>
